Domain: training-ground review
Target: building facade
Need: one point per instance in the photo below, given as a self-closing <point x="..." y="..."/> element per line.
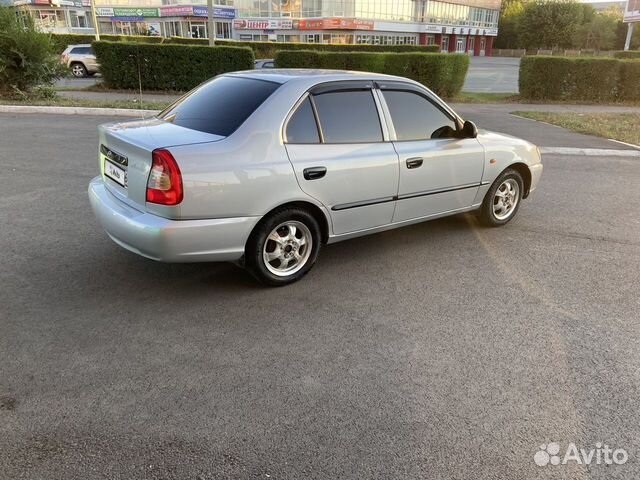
<point x="456" y="25"/>
<point x="466" y="26"/>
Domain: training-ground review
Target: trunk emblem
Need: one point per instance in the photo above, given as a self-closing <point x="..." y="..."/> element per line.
<point x="114" y="156"/>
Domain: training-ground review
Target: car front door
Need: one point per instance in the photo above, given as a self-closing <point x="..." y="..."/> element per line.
<point x="439" y="171"/>
<point x="336" y="143"/>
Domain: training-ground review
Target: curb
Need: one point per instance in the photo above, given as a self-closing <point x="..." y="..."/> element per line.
<point x="119" y="112"/>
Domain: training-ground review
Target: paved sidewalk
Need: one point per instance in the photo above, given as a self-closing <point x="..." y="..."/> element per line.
<point x="462" y="108"/>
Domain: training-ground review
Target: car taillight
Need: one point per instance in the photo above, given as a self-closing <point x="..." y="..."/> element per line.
<point x="165" y="180"/>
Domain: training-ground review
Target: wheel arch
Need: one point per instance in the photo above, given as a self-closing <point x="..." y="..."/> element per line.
<point x="312" y="208"/>
<point x="523" y="170"/>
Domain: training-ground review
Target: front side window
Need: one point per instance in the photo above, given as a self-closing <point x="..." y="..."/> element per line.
<point x="302" y="126"/>
<point x="416" y="118"/>
<point x="348" y="117"/>
<point x="219" y="106"/>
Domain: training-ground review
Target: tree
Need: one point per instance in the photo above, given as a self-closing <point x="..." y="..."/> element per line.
<point x="549" y="24"/>
<point x="27" y="57"/>
<point x="510" y="13"/>
<point x="598" y="31"/>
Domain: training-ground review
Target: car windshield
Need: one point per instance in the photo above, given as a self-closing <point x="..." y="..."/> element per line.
<point x="219" y="106"/>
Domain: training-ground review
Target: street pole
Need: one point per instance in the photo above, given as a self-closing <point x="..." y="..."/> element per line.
<point x="211" y="27"/>
<point x="627" y="43"/>
<point x="95" y="19"/>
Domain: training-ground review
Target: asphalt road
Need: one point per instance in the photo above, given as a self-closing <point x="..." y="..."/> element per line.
<point x="441" y="350"/>
<point x="492" y="75"/>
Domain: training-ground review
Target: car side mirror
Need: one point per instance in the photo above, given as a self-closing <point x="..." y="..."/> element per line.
<point x="469" y="129"/>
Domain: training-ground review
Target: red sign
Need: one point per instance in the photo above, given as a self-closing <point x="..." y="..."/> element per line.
<point x="185" y="11"/>
<point x="336" y="24"/>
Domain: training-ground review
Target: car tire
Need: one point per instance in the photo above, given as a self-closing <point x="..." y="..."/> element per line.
<point x="78" y="70"/>
<point x="503" y="199"/>
<point x="283" y="247"/>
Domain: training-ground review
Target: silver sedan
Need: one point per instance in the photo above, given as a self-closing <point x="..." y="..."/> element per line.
<point x="263" y="167"/>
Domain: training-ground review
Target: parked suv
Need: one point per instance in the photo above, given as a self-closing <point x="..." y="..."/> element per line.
<point x="81" y="60"/>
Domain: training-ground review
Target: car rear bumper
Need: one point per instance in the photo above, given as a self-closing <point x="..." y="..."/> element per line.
<point x="167" y="240"/>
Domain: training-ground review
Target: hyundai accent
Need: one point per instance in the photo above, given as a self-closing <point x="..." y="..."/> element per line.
<point x="263" y="167"/>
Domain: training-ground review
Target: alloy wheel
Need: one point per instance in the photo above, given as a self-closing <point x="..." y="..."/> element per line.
<point x="287" y="248"/>
<point x="506" y="199"/>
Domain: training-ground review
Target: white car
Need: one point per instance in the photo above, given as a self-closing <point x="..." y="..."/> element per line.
<point x="81" y="60"/>
<point x="263" y="167"/>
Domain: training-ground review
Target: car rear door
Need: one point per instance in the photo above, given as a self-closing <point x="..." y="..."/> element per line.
<point x="439" y="171"/>
<point x="335" y="140"/>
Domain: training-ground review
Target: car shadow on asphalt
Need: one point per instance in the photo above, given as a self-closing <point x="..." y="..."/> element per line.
<point x="130" y="271"/>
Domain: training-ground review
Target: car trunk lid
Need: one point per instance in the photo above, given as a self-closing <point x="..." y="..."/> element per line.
<point x="125" y="153"/>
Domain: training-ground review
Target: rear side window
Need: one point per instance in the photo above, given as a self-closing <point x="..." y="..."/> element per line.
<point x="219" y="106"/>
<point x="416" y="118"/>
<point x="348" y="117"/>
<point x="82" y="50"/>
<point x="302" y="126"/>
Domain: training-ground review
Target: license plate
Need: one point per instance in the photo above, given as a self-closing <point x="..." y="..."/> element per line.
<point x="115" y="173"/>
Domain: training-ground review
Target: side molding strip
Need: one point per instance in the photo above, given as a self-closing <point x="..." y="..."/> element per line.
<point x="375" y="201"/>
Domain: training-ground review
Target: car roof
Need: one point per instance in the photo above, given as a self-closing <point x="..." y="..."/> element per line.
<point x="79" y="45"/>
<point x="313" y="76"/>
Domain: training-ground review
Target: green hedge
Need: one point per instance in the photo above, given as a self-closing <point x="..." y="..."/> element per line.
<point x="570" y="78"/>
<point x="260" y="49"/>
<point x="166" y="67"/>
<point x="628" y="54"/>
<point x="269" y="49"/>
<point x="442" y="73"/>
<point x="629" y="81"/>
<point x="63" y="40"/>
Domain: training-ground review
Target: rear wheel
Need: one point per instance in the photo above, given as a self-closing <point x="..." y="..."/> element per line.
<point x="284" y="247"/>
<point x="503" y="199"/>
<point x="78" y="70"/>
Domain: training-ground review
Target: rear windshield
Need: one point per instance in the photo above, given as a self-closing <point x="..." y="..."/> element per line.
<point x="219" y="106"/>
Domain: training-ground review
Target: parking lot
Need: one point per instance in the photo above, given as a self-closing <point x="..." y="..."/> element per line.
<point x="440" y="350"/>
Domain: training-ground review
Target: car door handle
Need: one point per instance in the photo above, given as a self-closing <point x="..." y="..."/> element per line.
<point x="313" y="173"/>
<point x="414" y="162"/>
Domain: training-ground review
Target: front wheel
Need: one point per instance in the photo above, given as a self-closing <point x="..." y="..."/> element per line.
<point x="503" y="199"/>
<point x="284" y="247"/>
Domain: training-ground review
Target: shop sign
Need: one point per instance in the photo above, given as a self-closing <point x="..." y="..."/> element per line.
<point x="135" y="12"/>
<point x="262" y="24"/>
<point x="104" y="11"/>
<point x="218" y="12"/>
<point x="180" y="11"/>
<point x="127" y="19"/>
<point x="336" y="24"/>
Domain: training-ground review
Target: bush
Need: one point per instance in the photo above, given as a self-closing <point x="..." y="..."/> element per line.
<point x="166" y="67"/>
<point x="63" y="40"/>
<point x="629" y="81"/>
<point x="567" y="78"/>
<point x="584" y="79"/>
<point x="27" y="57"/>
<point x="442" y="73"/>
<point x="269" y="49"/>
<point x="628" y="54"/>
